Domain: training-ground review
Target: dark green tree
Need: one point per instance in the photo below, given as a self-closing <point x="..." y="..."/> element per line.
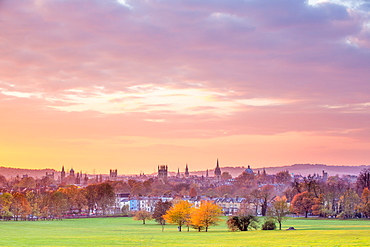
<point x="269" y="224"/>
<point x="242" y="222"/>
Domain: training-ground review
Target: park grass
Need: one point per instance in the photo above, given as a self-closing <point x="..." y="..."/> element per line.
<point x="127" y="232"/>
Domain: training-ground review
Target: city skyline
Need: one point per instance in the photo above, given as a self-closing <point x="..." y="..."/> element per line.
<point x="131" y="85"/>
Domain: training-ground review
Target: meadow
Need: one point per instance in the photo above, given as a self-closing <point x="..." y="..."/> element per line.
<point x="127" y="232"/>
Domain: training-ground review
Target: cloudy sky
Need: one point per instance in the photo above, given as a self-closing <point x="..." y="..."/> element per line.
<point x="130" y="85"/>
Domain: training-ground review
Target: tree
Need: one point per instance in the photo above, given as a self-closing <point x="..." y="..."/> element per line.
<point x="179" y="214"/>
<point x="363" y="179"/>
<point x="27" y="182"/>
<point x="318" y="207"/>
<point x="45" y="182"/>
<point x="208" y="214"/>
<point x="45" y="204"/>
<point x="225" y="190"/>
<point x="283" y="181"/>
<point x="226" y="176"/>
<point x="6" y="200"/>
<point x="302" y="203"/>
<point x="334" y="188"/>
<point x="242" y="222"/>
<point x="269" y="224"/>
<point x="312" y="185"/>
<point x="267" y="193"/>
<point x="160" y="209"/>
<point x="364" y="206"/>
<point x="148" y="186"/>
<point x="35" y="202"/>
<point x="348" y="202"/>
<point x="262" y="197"/>
<point x="283" y="177"/>
<point x="105" y="196"/>
<point x="138" y="189"/>
<point x="245" y="179"/>
<point x="254" y="198"/>
<point x="193" y="192"/>
<point x="91" y="194"/>
<point x="20" y="206"/>
<point x="279" y="209"/>
<point x="3" y="181"/>
<point x="181" y="187"/>
<point x="142" y="215"/>
<point x="58" y="204"/>
<point x="76" y="198"/>
<point x="101" y="195"/>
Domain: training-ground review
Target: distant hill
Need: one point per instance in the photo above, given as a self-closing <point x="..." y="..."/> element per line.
<point x="303" y="169"/>
<point x="9" y="172"/>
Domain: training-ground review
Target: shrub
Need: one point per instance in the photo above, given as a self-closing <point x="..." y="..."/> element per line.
<point x="269" y="224"/>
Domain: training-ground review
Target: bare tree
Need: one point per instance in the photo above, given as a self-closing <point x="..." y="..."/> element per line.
<point x="363" y="180"/>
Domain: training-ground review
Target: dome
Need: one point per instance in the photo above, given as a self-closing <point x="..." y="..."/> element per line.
<point x="249" y="170"/>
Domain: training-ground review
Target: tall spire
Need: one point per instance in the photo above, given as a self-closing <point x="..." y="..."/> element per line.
<point x="186" y="171"/>
<point x="217" y="170"/>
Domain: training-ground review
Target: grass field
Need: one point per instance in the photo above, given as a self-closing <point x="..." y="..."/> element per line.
<point x="127" y="232"/>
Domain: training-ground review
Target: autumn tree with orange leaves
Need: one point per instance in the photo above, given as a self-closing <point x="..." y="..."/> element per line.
<point x="208" y="214"/>
<point x="179" y="214"/>
<point x="302" y="203"/>
<point x="20" y="207"/>
<point x="364" y="206"/>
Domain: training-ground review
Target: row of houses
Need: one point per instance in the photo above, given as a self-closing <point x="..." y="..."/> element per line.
<point x="229" y="206"/>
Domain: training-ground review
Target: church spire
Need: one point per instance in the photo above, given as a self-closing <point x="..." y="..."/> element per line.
<point x="186" y="171"/>
<point x="217" y="170"/>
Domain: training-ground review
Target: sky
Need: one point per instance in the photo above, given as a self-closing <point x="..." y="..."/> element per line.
<point x="129" y="85"/>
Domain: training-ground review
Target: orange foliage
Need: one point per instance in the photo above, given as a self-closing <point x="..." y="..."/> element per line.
<point x="179" y="214"/>
<point x="208" y="214"/>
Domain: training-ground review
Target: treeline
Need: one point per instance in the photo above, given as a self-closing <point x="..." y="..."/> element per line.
<point x="333" y="196"/>
<point x="348" y="204"/>
<point x="49" y="205"/>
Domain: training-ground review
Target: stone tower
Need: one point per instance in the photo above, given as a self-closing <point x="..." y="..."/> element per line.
<point x="62" y="175"/>
<point x="113" y="175"/>
<point x="162" y="171"/>
<point x="72" y="172"/>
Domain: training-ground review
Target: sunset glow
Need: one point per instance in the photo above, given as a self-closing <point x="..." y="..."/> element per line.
<point x="130" y="85"/>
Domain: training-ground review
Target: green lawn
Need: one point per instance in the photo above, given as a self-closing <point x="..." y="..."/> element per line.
<point x="127" y="232"/>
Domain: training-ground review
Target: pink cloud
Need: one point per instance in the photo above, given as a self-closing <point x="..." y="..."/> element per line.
<point x="314" y="58"/>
